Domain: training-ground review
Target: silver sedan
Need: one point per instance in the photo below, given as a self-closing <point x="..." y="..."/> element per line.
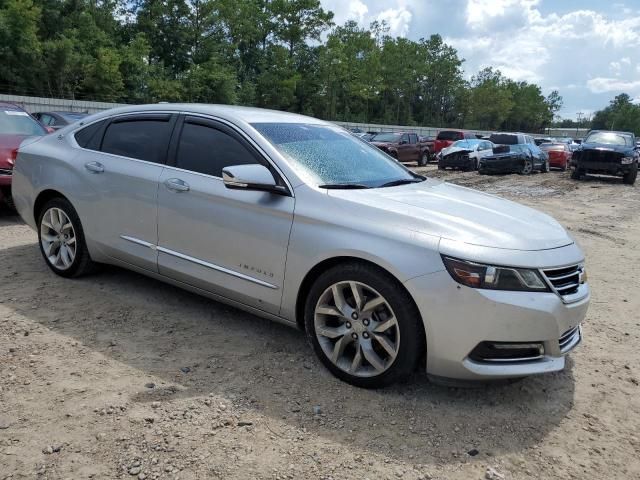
<point x="296" y="220"/>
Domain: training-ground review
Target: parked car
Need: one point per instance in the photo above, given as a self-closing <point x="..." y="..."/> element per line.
<point x="367" y="136"/>
<point x="464" y="154"/>
<point x="57" y="120"/>
<point x="522" y="158"/>
<point x="380" y="266"/>
<point x="403" y="146"/>
<point x="540" y="141"/>
<point x="559" y="154"/>
<point x="608" y="153"/>
<point x="503" y="138"/>
<point x="15" y="125"/>
<point x="445" y="138"/>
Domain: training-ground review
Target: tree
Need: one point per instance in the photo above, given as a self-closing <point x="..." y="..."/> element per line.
<point x="297" y="21"/>
<point x="621" y="114"/>
<point x="490" y="100"/>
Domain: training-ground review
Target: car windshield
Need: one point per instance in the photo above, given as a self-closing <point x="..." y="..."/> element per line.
<point x="450" y="135"/>
<point x="610" y="138"/>
<point x="386" y="137"/>
<point x="329" y="155"/>
<point x="469" y="143"/>
<point x="18" y="122"/>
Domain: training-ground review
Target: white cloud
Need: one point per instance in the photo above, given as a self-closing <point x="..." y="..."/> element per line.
<point x="397" y="19"/>
<point x="604" y="84"/>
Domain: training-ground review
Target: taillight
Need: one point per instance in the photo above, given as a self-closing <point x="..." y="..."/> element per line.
<point x="12" y="156"/>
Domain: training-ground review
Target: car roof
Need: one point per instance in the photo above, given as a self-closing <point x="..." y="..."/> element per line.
<point x="227" y="112"/>
<point x="611" y="131"/>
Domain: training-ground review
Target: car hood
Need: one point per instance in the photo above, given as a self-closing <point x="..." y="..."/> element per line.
<point x="461" y="214"/>
<point x="8" y="143"/>
<point x="607" y="147"/>
<point x="449" y="150"/>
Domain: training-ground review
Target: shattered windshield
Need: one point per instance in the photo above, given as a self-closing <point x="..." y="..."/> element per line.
<point x="331" y="155"/>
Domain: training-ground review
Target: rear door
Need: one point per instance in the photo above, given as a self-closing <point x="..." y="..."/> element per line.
<point x="122" y="160"/>
<point x="229" y="242"/>
<point x="404" y="148"/>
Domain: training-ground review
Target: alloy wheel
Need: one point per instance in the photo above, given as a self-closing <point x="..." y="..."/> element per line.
<point x="527" y="168"/>
<point x="357" y="329"/>
<point x="58" y="238"/>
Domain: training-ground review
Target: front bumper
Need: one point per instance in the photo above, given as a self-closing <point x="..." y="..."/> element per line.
<point x="458" y="318"/>
<point x="606" y="168"/>
<point x="502" y="165"/>
<point x="456" y="160"/>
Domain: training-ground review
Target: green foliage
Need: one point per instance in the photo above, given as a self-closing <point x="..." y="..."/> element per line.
<point x="283" y="54"/>
<point x="621" y="115"/>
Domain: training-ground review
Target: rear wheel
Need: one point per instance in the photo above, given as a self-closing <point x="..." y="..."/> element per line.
<point x="61" y="239"/>
<point x="630" y="177"/>
<point x="7" y="198"/>
<point x="363" y="325"/>
<point x="424" y="159"/>
<point x="527" y="168"/>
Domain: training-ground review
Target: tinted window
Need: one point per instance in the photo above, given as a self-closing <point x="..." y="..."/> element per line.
<point x="89" y="137"/>
<point x="413" y="138"/>
<point x="207" y="150"/>
<point x="450" y="136"/>
<point x="504" y="139"/>
<point x="140" y="139"/>
<point x="405" y="138"/>
<point x="386" y="137"/>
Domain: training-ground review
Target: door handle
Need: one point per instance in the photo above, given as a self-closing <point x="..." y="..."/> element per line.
<point x="94" y="167"/>
<point x="176" y="185"/>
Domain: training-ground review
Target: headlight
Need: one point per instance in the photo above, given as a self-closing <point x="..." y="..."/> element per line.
<point x="626" y="160"/>
<point x="490" y="277"/>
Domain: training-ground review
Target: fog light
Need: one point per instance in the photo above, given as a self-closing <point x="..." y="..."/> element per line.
<point x="507" y="351"/>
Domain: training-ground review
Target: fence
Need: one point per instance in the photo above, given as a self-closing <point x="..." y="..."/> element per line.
<point x="43" y="104"/>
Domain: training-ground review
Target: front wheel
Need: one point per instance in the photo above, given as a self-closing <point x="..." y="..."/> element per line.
<point x="576" y="174"/>
<point x="630" y="177"/>
<point x="363" y="325"/>
<point x="61" y="239"/>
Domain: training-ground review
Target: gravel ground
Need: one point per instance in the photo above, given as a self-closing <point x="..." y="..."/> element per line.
<point x="119" y="376"/>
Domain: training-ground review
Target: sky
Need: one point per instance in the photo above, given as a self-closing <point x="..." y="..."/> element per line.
<point x="588" y="50"/>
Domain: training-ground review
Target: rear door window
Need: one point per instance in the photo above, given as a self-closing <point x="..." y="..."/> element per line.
<point x="90" y="136"/>
<point x="144" y="137"/>
<point x="449" y="135"/>
<point x="413" y="138"/>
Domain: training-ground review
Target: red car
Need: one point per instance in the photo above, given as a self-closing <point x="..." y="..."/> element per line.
<point x="559" y="154"/>
<point x="15" y="126"/>
<point x="446" y="138"/>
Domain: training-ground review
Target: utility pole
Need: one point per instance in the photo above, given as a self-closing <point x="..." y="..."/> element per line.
<point x="579" y="115"/>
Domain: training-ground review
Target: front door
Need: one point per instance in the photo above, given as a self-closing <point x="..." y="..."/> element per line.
<point x="230" y="242"/>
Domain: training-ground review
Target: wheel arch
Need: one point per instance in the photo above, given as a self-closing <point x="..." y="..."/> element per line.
<point x="43" y="197"/>
<point x="314" y="273"/>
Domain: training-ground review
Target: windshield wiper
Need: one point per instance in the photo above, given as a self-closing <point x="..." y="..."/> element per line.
<point x="344" y="186"/>
<point x="402" y="181"/>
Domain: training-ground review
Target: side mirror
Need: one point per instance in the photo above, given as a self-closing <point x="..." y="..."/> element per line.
<point x="251" y="177"/>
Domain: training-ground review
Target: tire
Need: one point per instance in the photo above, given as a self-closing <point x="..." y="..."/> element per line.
<point x="475" y="164"/>
<point x="629" y="178"/>
<point x="378" y="356"/>
<point x="8" y="199"/>
<point x="440" y="167"/>
<point x="527" y="168"/>
<point x="71" y="258"/>
<point x="546" y="167"/>
<point x="576" y="174"/>
<point x="423" y="160"/>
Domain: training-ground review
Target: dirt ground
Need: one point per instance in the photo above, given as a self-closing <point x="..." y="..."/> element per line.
<point x="118" y="376"/>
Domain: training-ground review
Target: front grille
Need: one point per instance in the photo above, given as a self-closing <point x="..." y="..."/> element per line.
<point x="6" y="171"/>
<point x="564" y="280"/>
<point x="600" y="156"/>
<point x="569" y="339"/>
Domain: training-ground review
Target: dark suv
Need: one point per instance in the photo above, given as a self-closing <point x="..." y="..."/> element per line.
<point x="608" y="153"/>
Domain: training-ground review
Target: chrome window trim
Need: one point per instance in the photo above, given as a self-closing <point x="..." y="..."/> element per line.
<point x="197" y="261"/>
